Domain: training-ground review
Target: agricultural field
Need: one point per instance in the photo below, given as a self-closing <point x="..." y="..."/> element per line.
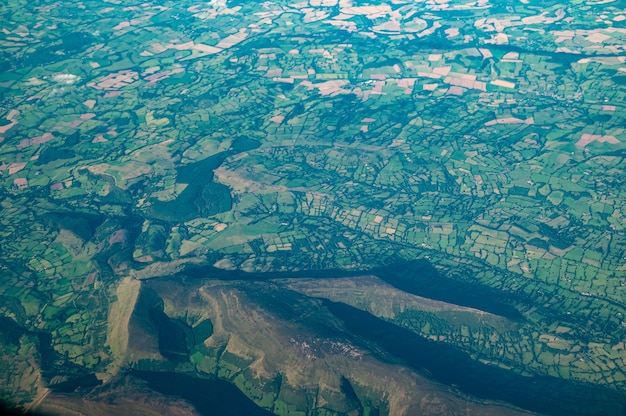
<point x="318" y="207"/>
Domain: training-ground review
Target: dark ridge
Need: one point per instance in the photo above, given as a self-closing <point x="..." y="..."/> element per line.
<point x="7" y="410"/>
<point x="244" y="144"/>
<point x="84" y="382"/>
<point x="417" y="277"/>
<point x="348" y="391"/>
<point x="420" y="278"/>
<point x="450" y="366"/>
<point x="202" y="197"/>
<point x="173" y="335"/>
<point x="83" y="225"/>
<point x="52" y="153"/>
<point x="620" y="80"/>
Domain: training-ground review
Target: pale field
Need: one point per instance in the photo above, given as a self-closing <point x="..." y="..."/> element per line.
<point x="6" y="127"/>
<point x="154" y="78"/>
<point x="14" y="167"/>
<point x="510" y="120"/>
<point x="115" y="81"/>
<point x="120" y="312"/>
<point x="44" y="138"/>
<point x="122" y="401"/>
<point x="587" y="138"/>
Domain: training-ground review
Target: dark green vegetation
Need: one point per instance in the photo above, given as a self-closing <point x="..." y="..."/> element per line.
<point x="270" y="158"/>
<point x="201" y="197"/>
